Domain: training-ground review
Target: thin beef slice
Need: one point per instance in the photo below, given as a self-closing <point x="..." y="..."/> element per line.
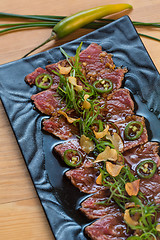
<point x="110" y="227"/>
<point x="97" y="206"/>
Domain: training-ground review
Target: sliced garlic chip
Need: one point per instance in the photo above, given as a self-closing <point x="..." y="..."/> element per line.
<point x="132" y="188"/>
<point x="113" y="169"/>
<point x="99" y="179"/>
<point x="116" y="141"/>
<point x="101" y="134"/>
<point x="69" y="119"/>
<point x="107" y="154"/>
<point x="73" y="81"/>
<point x="158" y="227"/>
<point x="86" y="144"/>
<point x="86" y="104"/>
<point x="128" y="219"/>
<point x="64" y="70"/>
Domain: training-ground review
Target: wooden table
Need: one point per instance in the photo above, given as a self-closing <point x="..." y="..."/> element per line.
<point x="21" y="214"/>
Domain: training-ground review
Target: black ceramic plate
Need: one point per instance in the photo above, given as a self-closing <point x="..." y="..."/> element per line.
<point x="59" y="198"/>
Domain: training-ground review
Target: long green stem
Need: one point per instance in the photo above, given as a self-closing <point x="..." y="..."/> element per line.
<point x="36" y="17"/>
<point x="147" y="36"/>
<point x="156" y="24"/>
<point x="26" y="26"/>
<point x="135" y="23"/>
<point x="52" y="37"/>
<point x="48" y="16"/>
<point x="29" y="24"/>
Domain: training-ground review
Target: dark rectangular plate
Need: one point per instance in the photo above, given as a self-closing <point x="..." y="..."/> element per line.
<point x="59" y="198"/>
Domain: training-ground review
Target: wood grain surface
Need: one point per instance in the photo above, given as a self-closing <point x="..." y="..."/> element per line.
<point x="21" y="214"/>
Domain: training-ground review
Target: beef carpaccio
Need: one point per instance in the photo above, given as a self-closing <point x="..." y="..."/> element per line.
<point x="105" y="144"/>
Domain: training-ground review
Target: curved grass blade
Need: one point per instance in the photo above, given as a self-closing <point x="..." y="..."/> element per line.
<point x="147" y="36"/>
<point x="26" y="26"/>
<point x="38" y="17"/>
